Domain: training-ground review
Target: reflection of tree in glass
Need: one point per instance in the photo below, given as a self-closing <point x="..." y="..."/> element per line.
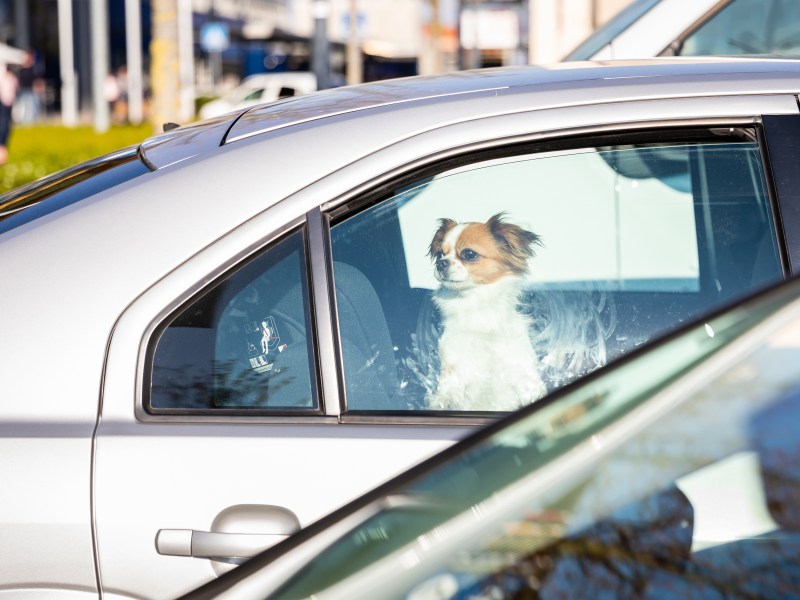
<point x="180" y="387"/>
<point x="235" y="385"/>
<point x="231" y="386"/>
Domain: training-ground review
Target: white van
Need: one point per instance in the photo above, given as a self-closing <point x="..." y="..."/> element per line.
<point x="260" y="88"/>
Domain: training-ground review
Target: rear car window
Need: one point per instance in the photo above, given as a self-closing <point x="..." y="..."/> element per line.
<point x="245" y="345"/>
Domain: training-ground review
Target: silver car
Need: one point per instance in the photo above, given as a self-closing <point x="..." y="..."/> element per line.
<point x="224" y="334"/>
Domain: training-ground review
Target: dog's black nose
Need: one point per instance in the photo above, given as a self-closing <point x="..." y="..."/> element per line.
<point x="442" y="264"/>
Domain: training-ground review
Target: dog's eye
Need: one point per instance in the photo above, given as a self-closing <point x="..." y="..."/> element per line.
<point x="469" y="255"/>
<point x="438" y="255"/>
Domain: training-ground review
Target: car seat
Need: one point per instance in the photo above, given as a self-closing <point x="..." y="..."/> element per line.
<point x="370" y="372"/>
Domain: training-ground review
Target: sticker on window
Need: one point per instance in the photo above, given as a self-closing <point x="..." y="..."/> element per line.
<point x="263" y="343"/>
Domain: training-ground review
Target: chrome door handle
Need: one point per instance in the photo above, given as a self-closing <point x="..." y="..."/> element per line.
<point x="214" y="545"/>
<point x="237" y="533"/>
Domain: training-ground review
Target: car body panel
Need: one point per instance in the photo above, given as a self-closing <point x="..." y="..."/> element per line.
<point x="185" y="142"/>
<point x="93" y="280"/>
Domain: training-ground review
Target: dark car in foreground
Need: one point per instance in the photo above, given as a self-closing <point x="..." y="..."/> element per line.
<point x="672" y="474"/>
<point x="224" y="334"/>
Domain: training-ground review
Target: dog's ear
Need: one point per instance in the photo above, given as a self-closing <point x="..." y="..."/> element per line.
<point x="445" y="225"/>
<point x="516" y="243"/>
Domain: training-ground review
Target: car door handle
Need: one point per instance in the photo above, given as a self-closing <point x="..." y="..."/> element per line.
<point x="237" y="533"/>
<point x="214" y="545"/>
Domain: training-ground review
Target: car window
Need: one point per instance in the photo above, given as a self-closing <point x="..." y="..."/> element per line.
<point x="485" y="285"/>
<point x="748" y="27"/>
<point x="254" y="95"/>
<point x="243" y="345"/>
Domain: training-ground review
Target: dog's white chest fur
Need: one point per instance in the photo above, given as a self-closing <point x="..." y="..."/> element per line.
<point x="487" y="362"/>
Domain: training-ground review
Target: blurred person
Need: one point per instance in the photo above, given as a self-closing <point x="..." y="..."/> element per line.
<point x="116" y="93"/>
<point x="9" y="84"/>
<point x="120" y="107"/>
<point x="31" y="90"/>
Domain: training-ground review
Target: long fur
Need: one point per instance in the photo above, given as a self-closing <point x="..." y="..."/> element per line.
<point x="486" y="359"/>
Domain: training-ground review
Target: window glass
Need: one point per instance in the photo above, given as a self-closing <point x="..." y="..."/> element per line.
<point x="485" y="286"/>
<point x="748" y="27"/>
<point x="245" y="344"/>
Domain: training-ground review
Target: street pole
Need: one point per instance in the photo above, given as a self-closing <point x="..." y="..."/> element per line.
<point x="320" y="57"/>
<point x="133" y="50"/>
<point x="164" y="69"/>
<point x="355" y="62"/>
<point x="66" y="57"/>
<point x="186" y="60"/>
<point x="100" y="64"/>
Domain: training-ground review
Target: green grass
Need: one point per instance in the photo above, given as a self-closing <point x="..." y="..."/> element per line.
<point x="38" y="150"/>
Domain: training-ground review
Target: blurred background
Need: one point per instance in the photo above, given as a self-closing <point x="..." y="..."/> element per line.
<point x="96" y="75"/>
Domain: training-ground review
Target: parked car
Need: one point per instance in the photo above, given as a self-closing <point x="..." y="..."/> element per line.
<point x="259" y="89"/>
<point x="670" y="475"/>
<point x="647" y="28"/>
<point x="232" y="330"/>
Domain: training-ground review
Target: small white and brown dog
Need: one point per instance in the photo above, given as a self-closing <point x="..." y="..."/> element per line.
<point x="486" y="359"/>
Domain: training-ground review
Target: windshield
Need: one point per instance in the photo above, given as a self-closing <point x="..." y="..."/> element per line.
<point x="606" y="34"/>
<point x="66" y="187"/>
<point x="621" y="482"/>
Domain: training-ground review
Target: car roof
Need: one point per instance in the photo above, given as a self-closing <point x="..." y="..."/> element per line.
<point x="574" y="83"/>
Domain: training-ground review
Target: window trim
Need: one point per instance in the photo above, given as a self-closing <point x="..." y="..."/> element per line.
<point x="779" y="132"/>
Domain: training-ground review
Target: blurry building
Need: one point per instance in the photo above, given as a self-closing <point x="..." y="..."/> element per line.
<point x="394" y="37"/>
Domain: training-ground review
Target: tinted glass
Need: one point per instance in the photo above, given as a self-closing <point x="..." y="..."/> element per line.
<point x="66" y="187"/>
<point x="244" y="345"/>
<point x="673" y="475"/>
<point x="769" y="27"/>
<point x="569" y="259"/>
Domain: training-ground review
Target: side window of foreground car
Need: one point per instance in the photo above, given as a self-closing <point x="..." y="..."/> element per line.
<point x="482" y="286"/>
<point x="245" y="345"/>
<point x="748" y="27"/>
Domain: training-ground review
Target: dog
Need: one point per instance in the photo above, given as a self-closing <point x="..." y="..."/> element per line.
<point x="486" y="359"/>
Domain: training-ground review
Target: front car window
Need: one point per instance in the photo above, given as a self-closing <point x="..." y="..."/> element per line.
<point x="485" y="285"/>
<point x="673" y="475"/>
<point x="766" y="27"/>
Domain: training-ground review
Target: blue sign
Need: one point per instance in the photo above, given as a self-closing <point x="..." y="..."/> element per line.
<point x="215" y="37"/>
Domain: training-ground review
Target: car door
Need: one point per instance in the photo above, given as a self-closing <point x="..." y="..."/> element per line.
<point x="285" y="370"/>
